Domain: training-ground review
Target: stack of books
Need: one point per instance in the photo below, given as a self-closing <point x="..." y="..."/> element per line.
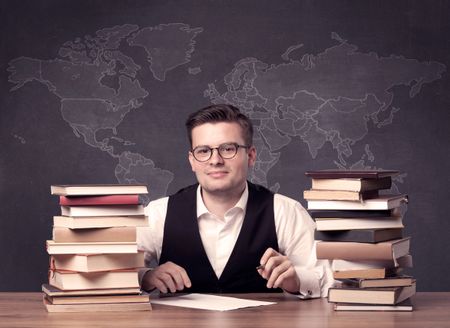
<point x="94" y="259"/>
<point x="361" y="231"/>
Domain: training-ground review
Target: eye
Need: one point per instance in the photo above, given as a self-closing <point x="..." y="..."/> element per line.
<point x="202" y="150"/>
<point x="228" y="148"/>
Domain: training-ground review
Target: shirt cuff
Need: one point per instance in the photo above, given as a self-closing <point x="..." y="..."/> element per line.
<point x="309" y="284"/>
<point x="141" y="274"/>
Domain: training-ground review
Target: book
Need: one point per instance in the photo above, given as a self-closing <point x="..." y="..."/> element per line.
<point x="388" y="295"/>
<point x="107" y="307"/>
<point x="91" y="248"/>
<point x="343" y="265"/>
<point x="99" y="299"/>
<point x="99" y="221"/>
<point x="355" y="174"/>
<point x="71" y="280"/>
<point x="383" y="202"/>
<point x="335" y="224"/>
<point x="99" y="200"/>
<point x="67" y="235"/>
<point x="314" y="194"/>
<point x="97" y="189"/>
<point x="97" y="262"/>
<point x="54" y="291"/>
<point x="386" y="250"/>
<point x="394" y="281"/>
<point x="102" y="210"/>
<point x="361" y="236"/>
<point x="374" y="273"/>
<point x="405" y="306"/>
<point x="352" y="184"/>
<point x="348" y="214"/>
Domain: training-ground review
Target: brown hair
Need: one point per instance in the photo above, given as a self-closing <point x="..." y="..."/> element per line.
<point x="221" y="113"/>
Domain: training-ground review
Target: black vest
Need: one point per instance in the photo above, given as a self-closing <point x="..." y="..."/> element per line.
<point x="182" y="243"/>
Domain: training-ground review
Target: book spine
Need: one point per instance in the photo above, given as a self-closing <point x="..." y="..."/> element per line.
<point x="354" y="251"/>
<point x="361" y="236"/>
<point x="114" y="234"/>
<point x="99" y="200"/>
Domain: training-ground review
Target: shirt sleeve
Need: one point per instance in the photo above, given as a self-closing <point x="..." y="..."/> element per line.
<point x="150" y="238"/>
<point x="295" y="233"/>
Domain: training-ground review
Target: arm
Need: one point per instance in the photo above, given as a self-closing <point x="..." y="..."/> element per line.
<point x="168" y="276"/>
<point x="295" y="267"/>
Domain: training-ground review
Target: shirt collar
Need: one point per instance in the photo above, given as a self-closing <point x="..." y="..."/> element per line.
<point x="241" y="204"/>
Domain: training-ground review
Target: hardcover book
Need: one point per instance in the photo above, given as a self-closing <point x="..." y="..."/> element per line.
<point x="349" y="184"/>
<point x="386" y="250"/>
<point x="314" y="194"/>
<point x="107" y="307"/>
<point x="55" y="291"/>
<point x="394" y="281"/>
<point x="336" y="224"/>
<point x="102" y="210"/>
<point x="383" y="202"/>
<point x="388" y="295"/>
<point x="91" y="248"/>
<point x="97" y="262"/>
<point x="86" y="222"/>
<point x="70" y="280"/>
<point x="113" y="234"/>
<point x="361" y="236"/>
<point x="99" y="200"/>
<point x="99" y="299"/>
<point x="355" y="174"/>
<point x="374" y="273"/>
<point x="98" y="189"/>
<point x="352" y="213"/>
<point x="405" y="306"/>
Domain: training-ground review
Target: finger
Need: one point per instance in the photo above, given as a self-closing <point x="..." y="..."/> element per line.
<point x="159" y="284"/>
<point x="289" y="273"/>
<point x="271" y="264"/>
<point x="276" y="272"/>
<point x="168" y="281"/>
<point x="186" y="280"/>
<point x="270" y="252"/>
<point x="180" y="278"/>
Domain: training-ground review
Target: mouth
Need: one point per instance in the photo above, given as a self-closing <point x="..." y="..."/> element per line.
<point x="217" y="174"/>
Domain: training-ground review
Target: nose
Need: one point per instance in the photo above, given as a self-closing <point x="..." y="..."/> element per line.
<point x="215" y="157"/>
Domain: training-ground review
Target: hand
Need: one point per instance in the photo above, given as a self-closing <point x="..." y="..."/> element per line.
<point x="279" y="271"/>
<point x="166" y="277"/>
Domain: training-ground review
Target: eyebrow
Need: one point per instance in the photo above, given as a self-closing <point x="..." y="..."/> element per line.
<point x="223" y="143"/>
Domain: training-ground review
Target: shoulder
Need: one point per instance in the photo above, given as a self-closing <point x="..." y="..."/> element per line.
<point x="157" y="207"/>
<point x="288" y="209"/>
<point x="286" y="202"/>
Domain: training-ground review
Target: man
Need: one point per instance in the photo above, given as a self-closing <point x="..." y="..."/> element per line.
<point x="226" y="234"/>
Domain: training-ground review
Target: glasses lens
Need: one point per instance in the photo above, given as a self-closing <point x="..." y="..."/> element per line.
<point x="228" y="150"/>
<point x="202" y="153"/>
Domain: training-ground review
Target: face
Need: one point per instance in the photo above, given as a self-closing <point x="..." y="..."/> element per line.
<point x="218" y="175"/>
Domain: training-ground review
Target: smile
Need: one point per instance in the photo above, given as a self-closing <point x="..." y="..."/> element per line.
<point x="217" y="174"/>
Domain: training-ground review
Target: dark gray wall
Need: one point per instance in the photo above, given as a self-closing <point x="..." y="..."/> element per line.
<point x="328" y="83"/>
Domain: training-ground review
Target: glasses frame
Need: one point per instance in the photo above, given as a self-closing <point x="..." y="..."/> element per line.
<point x="218" y="151"/>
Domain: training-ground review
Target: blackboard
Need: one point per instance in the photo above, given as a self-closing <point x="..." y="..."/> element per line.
<point x="98" y="92"/>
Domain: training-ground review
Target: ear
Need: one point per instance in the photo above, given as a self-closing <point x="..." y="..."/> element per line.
<point x="251" y="153"/>
<point x="191" y="161"/>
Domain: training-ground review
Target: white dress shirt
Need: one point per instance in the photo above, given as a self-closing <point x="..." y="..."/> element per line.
<point x="294" y="230"/>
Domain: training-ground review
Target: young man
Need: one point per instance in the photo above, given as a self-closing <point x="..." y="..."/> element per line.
<point x="226" y="234"/>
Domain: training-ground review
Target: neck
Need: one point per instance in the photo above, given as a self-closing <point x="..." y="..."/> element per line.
<point x="219" y="203"/>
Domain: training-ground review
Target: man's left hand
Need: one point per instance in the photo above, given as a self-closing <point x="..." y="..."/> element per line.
<point x="278" y="271"/>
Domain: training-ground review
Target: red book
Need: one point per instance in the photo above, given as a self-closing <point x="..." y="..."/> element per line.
<point x="99" y="200"/>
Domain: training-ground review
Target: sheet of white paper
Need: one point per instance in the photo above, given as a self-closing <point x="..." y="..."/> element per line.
<point x="208" y="302"/>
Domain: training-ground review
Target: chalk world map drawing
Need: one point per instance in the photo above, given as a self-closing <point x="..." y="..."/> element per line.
<point x="328" y="98"/>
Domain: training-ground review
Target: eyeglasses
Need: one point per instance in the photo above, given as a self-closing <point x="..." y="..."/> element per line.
<point x="226" y="151"/>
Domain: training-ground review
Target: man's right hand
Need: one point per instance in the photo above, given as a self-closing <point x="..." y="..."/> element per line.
<point x="166" y="277"/>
